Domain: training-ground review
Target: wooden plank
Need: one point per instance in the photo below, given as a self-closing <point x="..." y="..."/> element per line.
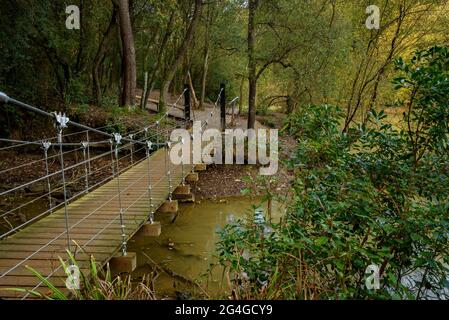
<point x="47" y="235"/>
<point x="50" y="255"/>
<point x="22" y="271"/>
<point x="60" y="231"/>
<point x="60" y="242"/>
<point x="29" y="281"/>
<point x="34" y="238"/>
<point x="86" y="224"/>
<point x="55" y="248"/>
<point x="47" y="263"/>
<point x="129" y="218"/>
<point x="6" y="294"/>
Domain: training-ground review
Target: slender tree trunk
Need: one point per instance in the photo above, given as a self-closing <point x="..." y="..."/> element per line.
<point x="180" y="54"/>
<point x="99" y="58"/>
<point x="144" y="99"/>
<point x="192" y="90"/>
<point x="205" y="57"/>
<point x="204" y="75"/>
<point x="252" y="77"/>
<point x="351" y="112"/>
<point x="129" y="55"/>
<point x="391" y="54"/>
<point x="144" y="91"/>
<point x="157" y="63"/>
<point x="242" y="86"/>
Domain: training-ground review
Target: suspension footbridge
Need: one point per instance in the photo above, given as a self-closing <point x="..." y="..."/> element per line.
<point x="100" y="219"/>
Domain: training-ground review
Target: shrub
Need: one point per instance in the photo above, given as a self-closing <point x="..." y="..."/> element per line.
<point x="378" y="196"/>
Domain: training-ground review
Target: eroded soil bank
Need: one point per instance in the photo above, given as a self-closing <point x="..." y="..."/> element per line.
<point x="220" y="181"/>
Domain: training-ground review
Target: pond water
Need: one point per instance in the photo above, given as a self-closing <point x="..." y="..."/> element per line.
<point x="187" y="246"/>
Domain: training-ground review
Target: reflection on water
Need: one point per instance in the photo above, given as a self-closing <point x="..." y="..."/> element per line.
<point x="187" y="246"/>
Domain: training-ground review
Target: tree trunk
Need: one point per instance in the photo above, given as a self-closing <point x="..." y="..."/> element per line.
<point x="180" y="54"/>
<point x="99" y="58"/>
<point x="205" y="58"/>
<point x="242" y="86"/>
<point x="129" y="76"/>
<point x="151" y="43"/>
<point x="145" y="91"/>
<point x="192" y="90"/>
<point x="157" y="63"/>
<point x="252" y="77"/>
<point x="204" y="76"/>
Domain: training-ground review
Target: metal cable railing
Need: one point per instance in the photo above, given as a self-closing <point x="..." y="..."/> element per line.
<point x="90" y="240"/>
<point x="64" y="232"/>
<point x="68" y="183"/>
<point x="89" y="215"/>
<point x="39" y="142"/>
<point x="154" y="135"/>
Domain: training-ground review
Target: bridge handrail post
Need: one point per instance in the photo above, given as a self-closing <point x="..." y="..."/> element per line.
<point x="111" y="143"/>
<point x="131" y="137"/>
<point x="187" y="106"/>
<point x="85" y="146"/>
<point x="149" y="147"/>
<point x="223" y="106"/>
<point x="182" y="164"/>
<point x="88" y="153"/>
<point x="158" y="132"/>
<point x="167" y="161"/>
<point x="117" y="141"/>
<point x="192" y="169"/>
<point x="45" y="146"/>
<point x="61" y="122"/>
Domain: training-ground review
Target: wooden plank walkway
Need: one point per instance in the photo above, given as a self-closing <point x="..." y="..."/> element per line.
<point x="176" y="112"/>
<point x="94" y="224"/>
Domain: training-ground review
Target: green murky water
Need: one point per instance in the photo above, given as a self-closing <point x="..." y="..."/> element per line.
<point x="187" y="246"/>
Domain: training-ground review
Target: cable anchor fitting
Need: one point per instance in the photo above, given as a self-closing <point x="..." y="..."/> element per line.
<point x="4" y="98"/>
<point x="61" y="120"/>
<point x="46" y="145"/>
<point x="117" y="138"/>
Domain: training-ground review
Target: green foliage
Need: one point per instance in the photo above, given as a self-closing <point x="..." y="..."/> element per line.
<point x="358" y="199"/>
<point x="425" y="82"/>
<point x="313" y="122"/>
<point x="263" y="110"/>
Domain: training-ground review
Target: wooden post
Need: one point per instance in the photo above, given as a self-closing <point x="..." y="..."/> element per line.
<point x="120" y="264"/>
<point x="187" y="117"/>
<point x="151" y="229"/>
<point x="223" y="107"/>
<point x="168" y="207"/>
<point x="183" y="194"/>
<point x="200" y="167"/>
<point x="192" y="177"/>
<point x="182" y="190"/>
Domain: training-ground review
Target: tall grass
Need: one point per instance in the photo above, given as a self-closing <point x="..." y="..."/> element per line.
<point x="96" y="284"/>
